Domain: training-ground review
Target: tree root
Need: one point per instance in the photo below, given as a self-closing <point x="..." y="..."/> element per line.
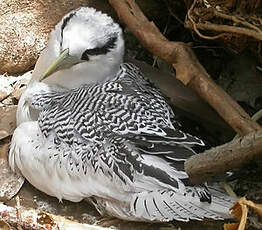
<point x="192" y="73"/>
<point x="188" y="68"/>
<point x="239" y="25"/>
<point x="201" y="167"/>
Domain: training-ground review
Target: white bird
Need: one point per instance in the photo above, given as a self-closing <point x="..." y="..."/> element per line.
<point x="90" y="127"/>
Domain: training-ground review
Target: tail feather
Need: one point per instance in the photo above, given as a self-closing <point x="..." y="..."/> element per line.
<point x="151" y="207"/>
<point x="167" y="205"/>
<point x="220" y="198"/>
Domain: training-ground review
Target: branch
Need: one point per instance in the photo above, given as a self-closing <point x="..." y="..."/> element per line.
<point x="232" y="155"/>
<point x="188" y="68"/>
<point x="192" y="73"/>
<point x="31" y="219"/>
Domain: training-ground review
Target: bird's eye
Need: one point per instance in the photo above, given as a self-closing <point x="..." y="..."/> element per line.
<point x="110" y="44"/>
<point x="85" y="56"/>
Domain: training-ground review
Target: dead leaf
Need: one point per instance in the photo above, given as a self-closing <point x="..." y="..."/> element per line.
<point x="6" y="88"/>
<point x="44" y="219"/>
<point x="240" y="211"/>
<point x="10" y="183"/>
<point x="4" y="225"/>
<point x="231" y="226"/>
<point x="256" y="207"/>
<point x="18" y="92"/>
<point x="7" y="120"/>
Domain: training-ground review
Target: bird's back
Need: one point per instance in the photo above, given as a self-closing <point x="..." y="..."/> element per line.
<point x="116" y="141"/>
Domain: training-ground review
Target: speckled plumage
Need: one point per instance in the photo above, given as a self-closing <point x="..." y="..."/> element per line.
<point x="112" y="142"/>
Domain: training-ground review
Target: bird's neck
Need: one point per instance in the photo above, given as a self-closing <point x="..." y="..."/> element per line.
<point x="26" y="111"/>
<point x="98" y="69"/>
<point x="84" y="73"/>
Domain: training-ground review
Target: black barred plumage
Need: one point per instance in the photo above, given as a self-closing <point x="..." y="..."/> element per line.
<point x="129" y="110"/>
<point x="97" y="129"/>
<point x="109" y="128"/>
<point x="141" y="110"/>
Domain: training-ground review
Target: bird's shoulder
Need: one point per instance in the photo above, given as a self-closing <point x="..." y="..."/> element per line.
<point x="128" y="103"/>
<point x="113" y="126"/>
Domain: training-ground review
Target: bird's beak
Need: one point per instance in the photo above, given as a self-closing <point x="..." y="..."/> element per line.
<point x="64" y="61"/>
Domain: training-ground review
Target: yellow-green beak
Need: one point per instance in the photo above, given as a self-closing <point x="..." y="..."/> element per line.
<point x="64" y="61"/>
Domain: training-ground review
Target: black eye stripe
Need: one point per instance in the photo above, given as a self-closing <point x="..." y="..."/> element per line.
<point x="110" y="44"/>
<point x="85" y="56"/>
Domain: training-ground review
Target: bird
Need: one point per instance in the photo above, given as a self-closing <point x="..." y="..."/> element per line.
<point x="90" y="126"/>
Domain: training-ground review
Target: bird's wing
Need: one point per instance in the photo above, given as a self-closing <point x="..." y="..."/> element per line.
<point x="116" y="121"/>
<point x="127" y="106"/>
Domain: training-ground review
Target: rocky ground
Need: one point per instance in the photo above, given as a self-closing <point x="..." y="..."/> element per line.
<point x="240" y="74"/>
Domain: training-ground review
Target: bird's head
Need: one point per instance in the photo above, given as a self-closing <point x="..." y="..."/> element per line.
<point x="86" y="46"/>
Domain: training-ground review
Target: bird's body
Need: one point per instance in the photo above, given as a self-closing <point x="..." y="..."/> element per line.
<point x="110" y="139"/>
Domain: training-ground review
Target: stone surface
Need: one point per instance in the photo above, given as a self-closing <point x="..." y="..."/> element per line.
<point x="10" y="183"/>
<point x="24" y="29"/>
<point x="7" y="121"/>
<point x="25" y="26"/>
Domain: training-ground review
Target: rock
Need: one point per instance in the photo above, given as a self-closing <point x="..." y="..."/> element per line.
<point x="25" y="26"/>
<point x="24" y="29"/>
<point x="11" y="87"/>
<point x="10" y="183"/>
<point x="4" y="225"/>
<point x="7" y="121"/>
<point x="5" y="89"/>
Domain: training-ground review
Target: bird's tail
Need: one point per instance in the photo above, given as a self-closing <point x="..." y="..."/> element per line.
<point x="167" y="205"/>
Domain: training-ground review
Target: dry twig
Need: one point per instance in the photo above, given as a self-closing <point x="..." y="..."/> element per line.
<point x="18" y="213"/>
<point x="239" y="25"/>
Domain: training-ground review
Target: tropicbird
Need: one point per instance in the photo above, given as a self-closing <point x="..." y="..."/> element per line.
<point x="92" y="127"/>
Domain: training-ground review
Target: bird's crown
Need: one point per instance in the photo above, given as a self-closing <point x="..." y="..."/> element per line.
<point x="87" y="33"/>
